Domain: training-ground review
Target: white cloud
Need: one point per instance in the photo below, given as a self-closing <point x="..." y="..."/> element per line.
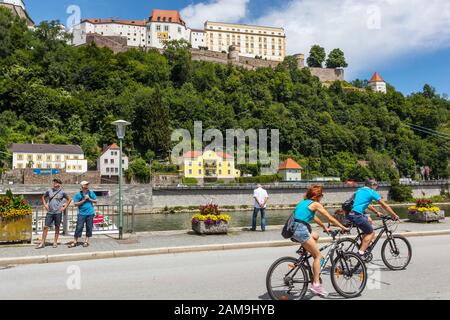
<point x="214" y="10"/>
<point x="371" y="33"/>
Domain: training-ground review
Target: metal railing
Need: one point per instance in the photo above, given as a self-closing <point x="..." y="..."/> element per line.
<point x="106" y="220"/>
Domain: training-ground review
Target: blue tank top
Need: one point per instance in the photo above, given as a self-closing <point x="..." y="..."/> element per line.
<point x="303" y="213"/>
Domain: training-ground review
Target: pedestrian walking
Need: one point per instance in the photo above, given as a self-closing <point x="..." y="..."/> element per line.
<point x="55" y="201"/>
<point x="85" y="201"/>
<point x="261" y="197"/>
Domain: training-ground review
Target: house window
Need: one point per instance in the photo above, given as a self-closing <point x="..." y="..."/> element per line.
<point x="190" y="164"/>
<point x="190" y="171"/>
<point x="179" y="29"/>
<point x="77" y="157"/>
<point x="117" y="170"/>
<point x="79" y="168"/>
<point x="58" y="158"/>
<point x="29" y="158"/>
<point x="158" y="27"/>
<point x="200" y="171"/>
<point x="229" y="171"/>
<point x="112" y="161"/>
<point x="220" y="164"/>
<point x="199" y="164"/>
<point x="20" y="157"/>
<point x="166" y="28"/>
<point x="107" y="169"/>
<point x="106" y="161"/>
<point x="39" y="157"/>
<point x="220" y="171"/>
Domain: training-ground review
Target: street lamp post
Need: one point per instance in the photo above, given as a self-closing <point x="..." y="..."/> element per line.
<point x="120" y="130"/>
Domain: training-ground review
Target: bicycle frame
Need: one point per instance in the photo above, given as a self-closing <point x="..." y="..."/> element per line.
<point x="384" y="230"/>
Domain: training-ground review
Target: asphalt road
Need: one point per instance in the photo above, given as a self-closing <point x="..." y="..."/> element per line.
<point x="236" y="274"/>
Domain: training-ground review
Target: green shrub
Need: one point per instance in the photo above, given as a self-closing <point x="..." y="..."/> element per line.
<point x="190" y="181"/>
<point x="400" y="193"/>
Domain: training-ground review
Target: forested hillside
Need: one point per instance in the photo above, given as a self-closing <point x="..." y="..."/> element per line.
<point x="51" y="92"/>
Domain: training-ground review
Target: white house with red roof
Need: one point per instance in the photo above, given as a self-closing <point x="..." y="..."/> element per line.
<point x="377" y="83"/>
<point x="209" y="164"/>
<point x="133" y="30"/>
<point x="162" y="25"/>
<point x="290" y="170"/>
<point x="108" y="162"/>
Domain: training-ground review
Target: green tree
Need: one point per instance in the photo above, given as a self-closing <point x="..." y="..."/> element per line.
<point x="316" y="57"/>
<point x="139" y="171"/>
<point x="336" y="59"/>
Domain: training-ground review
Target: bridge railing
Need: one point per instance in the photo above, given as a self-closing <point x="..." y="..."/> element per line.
<point x="106" y="219"/>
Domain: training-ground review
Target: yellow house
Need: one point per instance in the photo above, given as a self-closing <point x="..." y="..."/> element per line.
<point x="209" y="164"/>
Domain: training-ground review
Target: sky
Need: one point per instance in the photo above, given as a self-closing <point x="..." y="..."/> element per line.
<point x="406" y="41"/>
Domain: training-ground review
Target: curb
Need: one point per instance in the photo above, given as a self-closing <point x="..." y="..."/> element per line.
<point x="174" y="250"/>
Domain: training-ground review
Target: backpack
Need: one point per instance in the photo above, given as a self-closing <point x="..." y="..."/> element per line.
<point x="288" y="229"/>
<point x="347" y="206"/>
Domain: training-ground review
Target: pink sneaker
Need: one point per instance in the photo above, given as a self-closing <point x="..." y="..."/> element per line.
<point x="318" y="290"/>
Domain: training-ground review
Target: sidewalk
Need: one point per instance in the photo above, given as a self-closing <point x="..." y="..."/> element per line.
<point x="170" y="242"/>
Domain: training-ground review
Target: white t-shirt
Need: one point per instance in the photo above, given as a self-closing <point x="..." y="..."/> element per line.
<point x="260" y="194"/>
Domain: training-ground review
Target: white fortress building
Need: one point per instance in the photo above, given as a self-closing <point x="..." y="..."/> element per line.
<point x="163" y="25"/>
<point x="18" y="8"/>
<point x="377" y="83"/>
<point x="250" y="41"/>
<point x="133" y="30"/>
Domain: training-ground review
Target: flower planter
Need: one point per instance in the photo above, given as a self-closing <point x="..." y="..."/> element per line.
<point x="426" y="216"/>
<point x="201" y="227"/>
<point x="15" y="229"/>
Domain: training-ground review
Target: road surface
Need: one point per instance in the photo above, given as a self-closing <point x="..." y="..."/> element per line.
<point x="225" y="275"/>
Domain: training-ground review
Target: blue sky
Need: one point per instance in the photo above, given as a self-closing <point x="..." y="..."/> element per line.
<point x="406" y="41"/>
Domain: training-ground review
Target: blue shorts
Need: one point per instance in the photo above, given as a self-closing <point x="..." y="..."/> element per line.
<point x="361" y="221"/>
<point x="301" y="233"/>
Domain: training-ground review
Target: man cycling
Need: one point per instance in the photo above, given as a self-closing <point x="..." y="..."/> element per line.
<point x="363" y="199"/>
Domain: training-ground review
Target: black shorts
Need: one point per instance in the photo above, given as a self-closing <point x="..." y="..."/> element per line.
<point x="51" y="218"/>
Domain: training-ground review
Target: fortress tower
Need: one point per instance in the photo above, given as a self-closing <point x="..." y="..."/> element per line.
<point x="377" y="83"/>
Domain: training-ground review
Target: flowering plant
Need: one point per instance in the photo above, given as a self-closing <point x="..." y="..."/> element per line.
<point x="13" y="206"/>
<point x="210" y="214"/>
<point x="424" y="205"/>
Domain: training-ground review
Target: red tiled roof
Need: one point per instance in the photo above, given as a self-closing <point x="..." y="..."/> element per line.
<point x="166" y="16"/>
<point x="224" y="155"/>
<point x="192" y="154"/>
<point x="289" y="164"/>
<point x="196" y="154"/>
<point x="376" y="78"/>
<point x="141" y="23"/>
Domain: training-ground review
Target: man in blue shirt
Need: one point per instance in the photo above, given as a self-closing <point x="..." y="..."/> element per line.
<point x="363" y="199"/>
<point x="85" y="201"/>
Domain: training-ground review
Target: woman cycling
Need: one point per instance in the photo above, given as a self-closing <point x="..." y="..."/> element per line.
<point x="304" y="214"/>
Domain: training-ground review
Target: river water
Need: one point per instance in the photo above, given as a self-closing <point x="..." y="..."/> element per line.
<point x="182" y="221"/>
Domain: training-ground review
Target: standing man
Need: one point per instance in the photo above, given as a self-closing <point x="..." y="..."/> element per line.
<point x="55" y="201"/>
<point x="261" y="197"/>
<point x="363" y="199"/>
<point x="85" y="201"/>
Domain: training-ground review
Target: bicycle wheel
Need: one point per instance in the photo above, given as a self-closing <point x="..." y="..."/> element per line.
<point x="348" y="245"/>
<point x="349" y="275"/>
<point x="286" y="280"/>
<point x="396" y="253"/>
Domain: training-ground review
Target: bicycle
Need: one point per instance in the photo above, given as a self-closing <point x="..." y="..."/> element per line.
<point x="392" y="250"/>
<point x="288" y="273"/>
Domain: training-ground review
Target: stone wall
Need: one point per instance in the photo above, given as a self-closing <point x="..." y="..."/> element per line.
<point x="115" y="43"/>
<point x="326" y="75"/>
<point x="146" y="198"/>
<point x="223" y="58"/>
<point x="29" y="178"/>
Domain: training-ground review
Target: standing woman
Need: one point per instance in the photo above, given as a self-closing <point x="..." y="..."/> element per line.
<point x="304" y="214"/>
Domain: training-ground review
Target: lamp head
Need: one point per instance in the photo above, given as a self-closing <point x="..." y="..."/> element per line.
<point x="120" y="128"/>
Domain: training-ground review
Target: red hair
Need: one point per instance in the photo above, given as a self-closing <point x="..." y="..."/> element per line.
<point x="314" y="193"/>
